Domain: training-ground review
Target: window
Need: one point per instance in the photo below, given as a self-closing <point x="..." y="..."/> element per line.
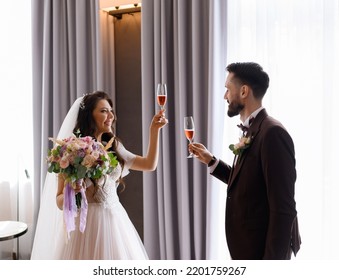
<point x="15" y="116"/>
<point x="16" y="90"/>
<point x="297" y="43"/>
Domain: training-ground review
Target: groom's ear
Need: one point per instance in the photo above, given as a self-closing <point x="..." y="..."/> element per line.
<point x="244" y="91"/>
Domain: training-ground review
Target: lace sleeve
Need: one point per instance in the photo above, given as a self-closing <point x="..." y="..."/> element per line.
<point x="127" y="156"/>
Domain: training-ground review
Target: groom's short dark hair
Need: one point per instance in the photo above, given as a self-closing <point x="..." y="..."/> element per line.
<point x="251" y="74"/>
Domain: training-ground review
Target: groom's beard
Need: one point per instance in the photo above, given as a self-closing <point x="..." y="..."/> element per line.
<point x="234" y="109"/>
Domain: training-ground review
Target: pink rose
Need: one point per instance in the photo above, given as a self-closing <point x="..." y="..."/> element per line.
<point x="64" y="163"/>
<point x="88" y="161"/>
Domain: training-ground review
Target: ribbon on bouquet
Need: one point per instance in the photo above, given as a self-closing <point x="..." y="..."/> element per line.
<point x="70" y="209"/>
<point x="83" y="212"/>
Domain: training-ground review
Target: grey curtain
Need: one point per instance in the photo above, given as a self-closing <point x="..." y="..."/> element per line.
<point x="179" y="48"/>
<point x="69" y="59"/>
<point x="73" y="54"/>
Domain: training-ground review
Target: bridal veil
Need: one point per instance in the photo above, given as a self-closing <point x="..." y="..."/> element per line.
<point x="50" y="234"/>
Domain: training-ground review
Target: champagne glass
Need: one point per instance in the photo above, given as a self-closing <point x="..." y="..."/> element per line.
<point x="189" y="131"/>
<point x="162" y="95"/>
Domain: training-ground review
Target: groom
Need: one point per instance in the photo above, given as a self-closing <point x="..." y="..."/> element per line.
<point x="261" y="216"/>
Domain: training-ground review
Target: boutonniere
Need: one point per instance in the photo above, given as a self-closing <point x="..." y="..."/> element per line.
<point x="244" y="143"/>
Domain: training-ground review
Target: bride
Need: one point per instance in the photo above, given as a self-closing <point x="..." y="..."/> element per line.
<point x="109" y="232"/>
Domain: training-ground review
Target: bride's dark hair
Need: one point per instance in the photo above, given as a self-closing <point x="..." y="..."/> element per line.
<point x="85" y="124"/>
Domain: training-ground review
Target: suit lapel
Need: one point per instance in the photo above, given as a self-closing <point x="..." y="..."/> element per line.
<point x="252" y="132"/>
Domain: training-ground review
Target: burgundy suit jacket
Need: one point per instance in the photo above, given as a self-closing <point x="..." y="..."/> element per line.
<point x="261" y="216"/>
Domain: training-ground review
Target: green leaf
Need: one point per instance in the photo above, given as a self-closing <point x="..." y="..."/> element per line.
<point x="234" y="150"/>
<point x="113" y="161"/>
<point x="55" y="152"/>
<point x="54" y="167"/>
<point x="81" y="172"/>
<point x="51" y="168"/>
<point x="77" y="161"/>
<point x="96" y="174"/>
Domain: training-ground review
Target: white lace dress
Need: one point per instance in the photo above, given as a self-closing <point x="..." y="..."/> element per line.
<point x="109" y="233"/>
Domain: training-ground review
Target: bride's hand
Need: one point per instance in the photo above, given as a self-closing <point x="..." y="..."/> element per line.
<point x="159" y="120"/>
<point x="81" y="184"/>
<point x="77" y="188"/>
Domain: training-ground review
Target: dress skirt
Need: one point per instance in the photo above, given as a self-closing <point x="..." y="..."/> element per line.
<point x="109" y="235"/>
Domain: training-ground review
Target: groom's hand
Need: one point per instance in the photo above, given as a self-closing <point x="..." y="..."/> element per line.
<point x="200" y="152"/>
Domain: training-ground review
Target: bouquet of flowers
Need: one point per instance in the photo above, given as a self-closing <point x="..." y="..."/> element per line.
<point x="79" y="158"/>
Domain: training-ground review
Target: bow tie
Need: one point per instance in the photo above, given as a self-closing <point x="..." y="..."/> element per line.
<point x="245" y="128"/>
<point x="242" y="127"/>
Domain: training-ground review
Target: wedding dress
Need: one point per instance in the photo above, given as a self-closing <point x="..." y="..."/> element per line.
<point x="109" y="232"/>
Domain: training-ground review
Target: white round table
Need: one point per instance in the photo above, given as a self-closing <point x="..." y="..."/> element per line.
<point x="10" y="230"/>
